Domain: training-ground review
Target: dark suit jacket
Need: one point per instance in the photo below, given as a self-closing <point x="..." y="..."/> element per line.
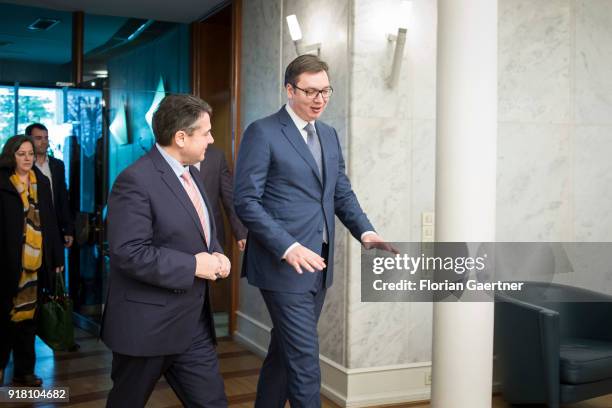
<point x="280" y="198"/>
<point x="11" y="235"/>
<point x="154" y="301"/>
<point x="219" y="187"/>
<point x="60" y="197"/>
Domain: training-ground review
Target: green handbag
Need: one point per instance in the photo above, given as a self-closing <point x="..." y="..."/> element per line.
<point x="54" y="318"/>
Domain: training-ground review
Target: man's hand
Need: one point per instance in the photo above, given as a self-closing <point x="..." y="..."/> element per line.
<point x="374" y="241"/>
<point x="68" y="240"/>
<point x="207" y="266"/>
<point x="224" y="265"/>
<point x="241" y="244"/>
<point x="302" y="257"/>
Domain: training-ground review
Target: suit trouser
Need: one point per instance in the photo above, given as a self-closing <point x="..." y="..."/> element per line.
<point x="193" y="375"/>
<point x="291" y="369"/>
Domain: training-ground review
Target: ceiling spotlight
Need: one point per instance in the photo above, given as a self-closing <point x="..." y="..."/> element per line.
<point x="43" y="24"/>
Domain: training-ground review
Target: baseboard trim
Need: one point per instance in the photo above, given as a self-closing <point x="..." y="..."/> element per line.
<point x="350" y="387"/>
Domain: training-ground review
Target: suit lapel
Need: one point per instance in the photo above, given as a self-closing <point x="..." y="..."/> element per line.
<point x="295" y="138"/>
<point x="174" y="184"/>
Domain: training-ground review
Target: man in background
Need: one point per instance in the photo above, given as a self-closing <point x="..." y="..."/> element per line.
<point x="55" y="171"/>
<point x="219" y="187"/>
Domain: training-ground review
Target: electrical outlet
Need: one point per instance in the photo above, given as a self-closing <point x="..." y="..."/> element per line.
<point x="427" y="378"/>
<point x="427" y="218"/>
<point x="427" y="233"/>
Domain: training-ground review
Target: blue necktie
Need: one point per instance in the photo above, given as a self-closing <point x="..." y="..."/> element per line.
<point x="315" y="146"/>
<point x="312" y="140"/>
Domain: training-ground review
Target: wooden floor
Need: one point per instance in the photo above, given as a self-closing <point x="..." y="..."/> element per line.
<point x="87" y="373"/>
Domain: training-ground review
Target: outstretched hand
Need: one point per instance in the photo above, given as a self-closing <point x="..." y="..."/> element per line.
<point x="374" y="241"/>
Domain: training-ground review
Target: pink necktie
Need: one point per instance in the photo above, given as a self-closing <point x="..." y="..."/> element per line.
<point x="193" y="194"/>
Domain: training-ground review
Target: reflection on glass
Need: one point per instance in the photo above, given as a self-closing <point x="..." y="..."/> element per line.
<point x="44" y="105"/>
<point x="84" y="113"/>
<point x="7" y="114"/>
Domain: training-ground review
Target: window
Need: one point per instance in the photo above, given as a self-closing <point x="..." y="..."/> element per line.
<point x="7" y="113"/>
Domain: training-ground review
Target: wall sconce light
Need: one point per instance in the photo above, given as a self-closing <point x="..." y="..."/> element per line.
<point x="296" y="35"/>
<point x="400" y="42"/>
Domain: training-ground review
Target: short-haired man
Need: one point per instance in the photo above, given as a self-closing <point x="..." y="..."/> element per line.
<point x="163" y="252"/>
<point x="290" y="182"/>
<point x="55" y="171"/>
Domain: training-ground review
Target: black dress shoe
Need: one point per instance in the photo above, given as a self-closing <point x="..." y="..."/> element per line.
<point x="29" y="380"/>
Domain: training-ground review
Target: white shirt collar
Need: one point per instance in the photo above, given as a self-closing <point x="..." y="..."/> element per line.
<point x="176" y="166"/>
<point x="299" y="122"/>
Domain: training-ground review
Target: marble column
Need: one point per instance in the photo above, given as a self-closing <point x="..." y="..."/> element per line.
<point x="465" y="191"/>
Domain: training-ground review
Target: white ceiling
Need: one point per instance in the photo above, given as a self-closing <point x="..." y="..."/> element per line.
<point x="178" y="11"/>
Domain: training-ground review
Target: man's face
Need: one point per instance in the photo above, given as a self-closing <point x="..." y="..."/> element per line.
<point x="307" y="108"/>
<point x="194" y="146"/>
<point x="41" y="141"/>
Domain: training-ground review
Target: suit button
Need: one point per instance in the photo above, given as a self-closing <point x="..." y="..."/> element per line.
<point x="177" y="291"/>
<point x="320" y="230"/>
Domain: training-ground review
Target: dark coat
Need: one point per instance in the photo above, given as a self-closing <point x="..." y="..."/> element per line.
<point x="11" y="234"/>
<point x="154" y="300"/>
<point x="61" y="204"/>
<point x="219" y="188"/>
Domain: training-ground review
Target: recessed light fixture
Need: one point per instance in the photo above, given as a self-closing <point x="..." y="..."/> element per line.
<point x="102" y="73"/>
<point x="43" y="24"/>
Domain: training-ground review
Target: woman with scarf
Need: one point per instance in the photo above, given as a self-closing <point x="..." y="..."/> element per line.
<point x="30" y="255"/>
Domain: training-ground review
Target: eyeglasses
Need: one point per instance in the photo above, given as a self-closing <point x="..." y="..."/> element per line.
<point x="314" y="93"/>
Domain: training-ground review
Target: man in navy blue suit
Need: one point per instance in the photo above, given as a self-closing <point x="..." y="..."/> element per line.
<point x="163" y="252"/>
<point x="290" y="182"/>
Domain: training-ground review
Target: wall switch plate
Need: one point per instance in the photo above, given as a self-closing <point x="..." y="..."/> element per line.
<point x="427" y="233"/>
<point x="428" y="218"/>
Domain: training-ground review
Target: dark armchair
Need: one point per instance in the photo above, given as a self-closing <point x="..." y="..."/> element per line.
<point x="551" y="348"/>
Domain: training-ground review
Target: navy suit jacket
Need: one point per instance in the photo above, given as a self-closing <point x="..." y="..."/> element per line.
<point x="281" y="199"/>
<point x="154" y="299"/>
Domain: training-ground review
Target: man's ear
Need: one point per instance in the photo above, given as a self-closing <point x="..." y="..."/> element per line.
<point x="179" y="138"/>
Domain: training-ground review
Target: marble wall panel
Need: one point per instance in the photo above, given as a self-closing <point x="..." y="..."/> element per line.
<point x="534" y="61"/>
<point x="593" y="61"/>
<point x="534" y="183"/>
<point x="593" y="183"/>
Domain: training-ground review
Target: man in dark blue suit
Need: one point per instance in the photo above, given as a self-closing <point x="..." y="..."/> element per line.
<point x="290" y="182"/>
<point x="163" y="252"/>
